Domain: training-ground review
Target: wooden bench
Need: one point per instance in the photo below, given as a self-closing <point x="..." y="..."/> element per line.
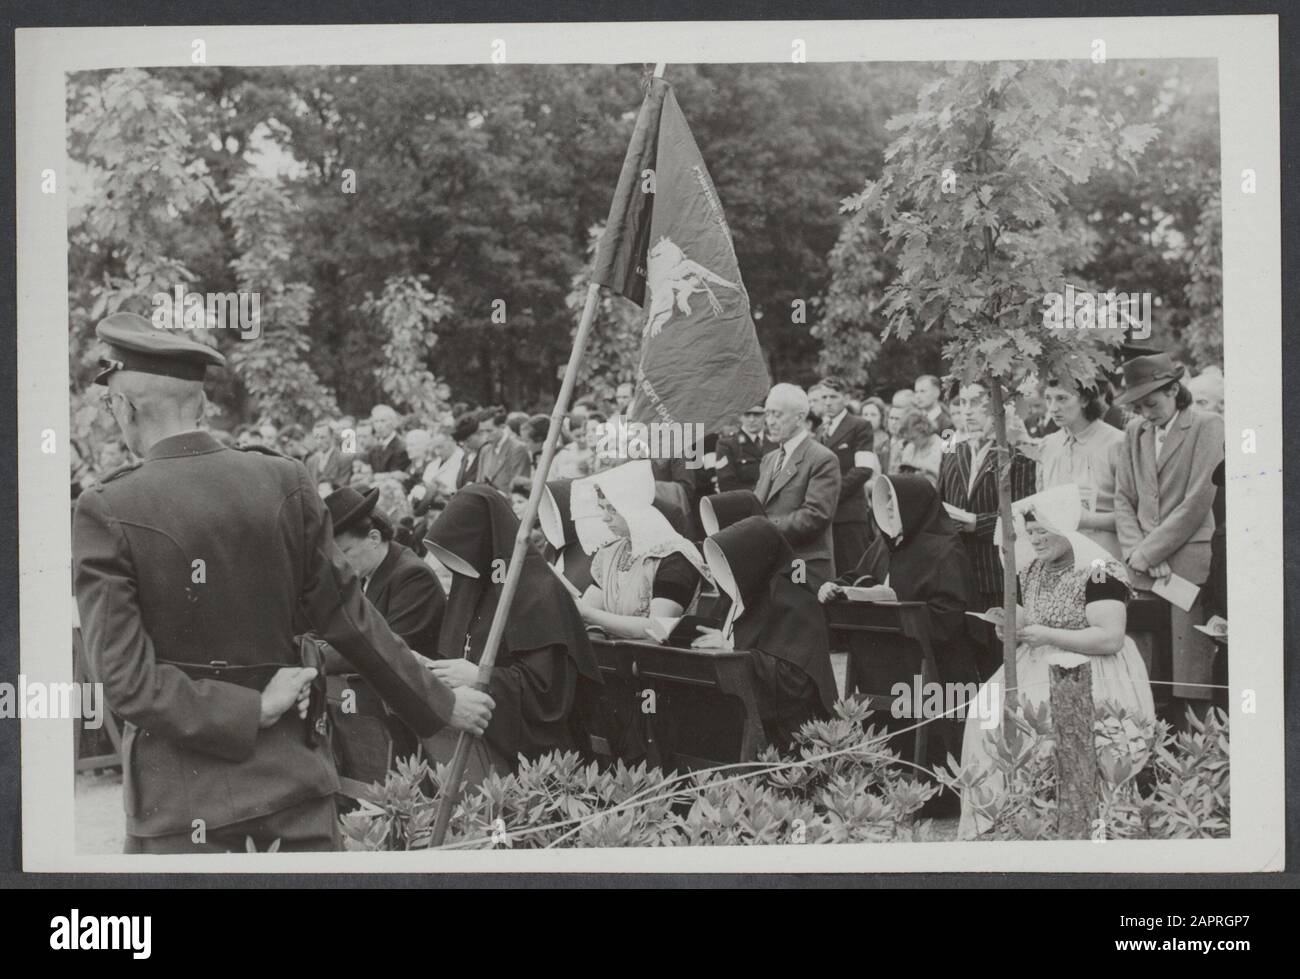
<point x="676" y="709"/>
<point x="888" y="643"/>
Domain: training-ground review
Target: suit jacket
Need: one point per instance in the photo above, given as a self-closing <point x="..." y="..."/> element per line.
<point x="801" y="499"/>
<point x="202" y="553"/>
<point x="1164" y="508"/>
<point x="500" y="463"/>
<point x="468" y="468"/>
<point x="389" y="458"/>
<point x="408" y="594"/>
<point x="744" y="457"/>
<point x="333" y="467"/>
<point x="854" y="434"/>
<point x="955" y="487"/>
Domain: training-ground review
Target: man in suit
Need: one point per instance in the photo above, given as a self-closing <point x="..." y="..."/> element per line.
<point x="328" y="464"/>
<point x="851" y="438"/>
<point x="799" y="481"/>
<point x="388" y="454"/>
<point x="469" y="437"/>
<point x="503" y="457"/>
<point x="190" y="569"/>
<point x="968" y="481"/>
<point x="740" y="456"/>
<point x="1164" y="505"/>
<point x="927" y="390"/>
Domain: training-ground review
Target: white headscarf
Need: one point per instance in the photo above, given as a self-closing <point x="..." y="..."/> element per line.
<point x="1059" y="511"/>
<point x="630" y="489"/>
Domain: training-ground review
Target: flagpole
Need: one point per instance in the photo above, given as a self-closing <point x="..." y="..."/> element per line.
<point x="451" y="789"/>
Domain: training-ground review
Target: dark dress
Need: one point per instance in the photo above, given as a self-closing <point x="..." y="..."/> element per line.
<point x="782" y="625"/>
<point x="927" y="563"/>
<point x="544" y="651"/>
<point x="731" y="506"/>
<point x="562" y="535"/>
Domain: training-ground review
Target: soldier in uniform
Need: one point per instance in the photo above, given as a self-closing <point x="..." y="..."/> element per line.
<point x="189" y="567"/>
<point x="740" y="456"/>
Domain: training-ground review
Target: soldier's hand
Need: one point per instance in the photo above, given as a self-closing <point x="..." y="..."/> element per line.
<point x="289" y="687"/>
<point x="473" y="710"/>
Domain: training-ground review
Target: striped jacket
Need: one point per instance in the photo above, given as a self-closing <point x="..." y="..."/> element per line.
<point x="981" y="499"/>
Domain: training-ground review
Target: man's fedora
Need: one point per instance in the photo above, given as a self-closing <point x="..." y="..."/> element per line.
<point x="347" y="506"/>
<point x="1142" y="375"/>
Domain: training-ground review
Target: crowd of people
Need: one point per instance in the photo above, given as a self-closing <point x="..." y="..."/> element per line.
<point x="1117" y="492"/>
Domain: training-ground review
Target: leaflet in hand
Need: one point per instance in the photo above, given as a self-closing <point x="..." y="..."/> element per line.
<point x="875" y="593"/>
<point x="866" y="460"/>
<point x="958" y="514"/>
<point x="998" y="615"/>
<point x="1216" y="628"/>
<point x="1176" y="591"/>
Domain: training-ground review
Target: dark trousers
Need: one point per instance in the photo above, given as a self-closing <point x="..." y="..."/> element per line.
<point x="849" y="541"/>
<point x="307" y="826"/>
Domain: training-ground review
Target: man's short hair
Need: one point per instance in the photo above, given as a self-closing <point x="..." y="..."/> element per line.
<point x="497" y="415"/>
<point x="789" y="396"/>
<point x="832" y="384"/>
<point x="538" y="427"/>
<point x="465" y="426"/>
<point x="516" y="420"/>
<point x="929" y="379"/>
<point x="383" y="411"/>
<point x="903" y="398"/>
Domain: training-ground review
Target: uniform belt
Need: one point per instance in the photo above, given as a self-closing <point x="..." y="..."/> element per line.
<point x="255" y="676"/>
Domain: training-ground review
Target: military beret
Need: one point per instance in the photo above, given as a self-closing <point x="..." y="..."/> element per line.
<point x="135" y="344"/>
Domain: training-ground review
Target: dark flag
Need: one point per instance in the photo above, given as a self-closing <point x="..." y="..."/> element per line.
<point x="667" y="248"/>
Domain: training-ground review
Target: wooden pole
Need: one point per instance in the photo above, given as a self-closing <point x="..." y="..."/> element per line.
<point x="450" y="794"/>
<point x="1008" y="542"/>
<point x="1076" y="754"/>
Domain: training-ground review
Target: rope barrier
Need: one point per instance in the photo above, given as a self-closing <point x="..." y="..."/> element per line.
<point x="759" y="768"/>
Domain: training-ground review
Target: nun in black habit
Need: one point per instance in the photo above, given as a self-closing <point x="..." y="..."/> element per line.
<point x="544" y="653"/>
<point x="721" y="510"/>
<point x="565" y="551"/>
<point x="777" y="621"/>
<point x="917" y="553"/>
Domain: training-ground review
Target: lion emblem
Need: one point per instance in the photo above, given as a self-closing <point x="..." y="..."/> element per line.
<point x="672" y="279"/>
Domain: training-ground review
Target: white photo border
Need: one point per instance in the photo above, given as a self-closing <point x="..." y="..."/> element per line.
<point x="1246" y="49"/>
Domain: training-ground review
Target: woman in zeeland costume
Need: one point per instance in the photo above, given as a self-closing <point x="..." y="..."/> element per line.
<point x="1074" y="595"/>
<point x="642" y="567"/>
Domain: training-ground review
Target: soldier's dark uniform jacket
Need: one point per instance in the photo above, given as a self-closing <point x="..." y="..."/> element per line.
<point x="744" y="454"/>
<point x="202" y="554"/>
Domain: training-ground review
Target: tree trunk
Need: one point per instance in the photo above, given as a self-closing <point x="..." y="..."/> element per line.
<point x="1076" y="756"/>
<point x="1009" y="684"/>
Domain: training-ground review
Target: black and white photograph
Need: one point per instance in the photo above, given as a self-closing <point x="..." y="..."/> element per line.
<point x="652" y="439"/>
